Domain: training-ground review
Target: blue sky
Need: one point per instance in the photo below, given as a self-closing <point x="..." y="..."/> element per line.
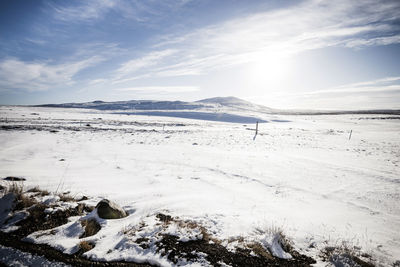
<point x="283" y="54"/>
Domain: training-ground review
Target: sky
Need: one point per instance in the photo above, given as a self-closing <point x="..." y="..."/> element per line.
<point x="309" y="54"/>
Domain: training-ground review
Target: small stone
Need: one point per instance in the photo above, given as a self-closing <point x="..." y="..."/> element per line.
<point x="107" y="209"/>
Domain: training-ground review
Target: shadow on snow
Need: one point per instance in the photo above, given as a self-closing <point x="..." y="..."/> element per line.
<point x="222" y="117"/>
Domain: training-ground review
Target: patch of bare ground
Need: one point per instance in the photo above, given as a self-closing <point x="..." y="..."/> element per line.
<point x="216" y="254"/>
<point x="50" y="253"/>
<point x="38" y="220"/>
<point x="206" y="247"/>
<point x="174" y="249"/>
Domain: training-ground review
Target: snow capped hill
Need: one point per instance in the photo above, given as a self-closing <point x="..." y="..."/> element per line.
<point x="227" y="101"/>
<point x="230" y="105"/>
<point x="210" y="104"/>
<point x="224" y="109"/>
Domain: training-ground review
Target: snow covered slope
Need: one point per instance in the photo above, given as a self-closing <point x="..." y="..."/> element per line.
<point x="300" y="173"/>
<point x="210" y="103"/>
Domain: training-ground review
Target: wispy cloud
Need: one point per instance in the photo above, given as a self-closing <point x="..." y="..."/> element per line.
<point x="384" y="85"/>
<point x="134" y="10"/>
<point x="84" y="11"/>
<point x="128" y="70"/>
<point x="284" y="32"/>
<point x="160" y="89"/>
<point x="40" y="76"/>
<point x="374" y="94"/>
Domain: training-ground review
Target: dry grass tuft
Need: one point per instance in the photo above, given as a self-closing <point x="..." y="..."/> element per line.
<point x="16" y="188"/>
<point x="41" y="192"/>
<point x="66" y="197"/>
<point x="345" y="254"/>
<point x="85" y="246"/>
<point x="91" y="227"/>
<point x="259" y="250"/>
<point x="22" y="200"/>
<point x="276" y="231"/>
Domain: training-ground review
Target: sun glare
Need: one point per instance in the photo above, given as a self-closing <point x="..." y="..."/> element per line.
<point x="268" y="71"/>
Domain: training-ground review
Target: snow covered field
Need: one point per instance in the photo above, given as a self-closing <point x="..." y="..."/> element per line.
<point x="300" y="173"/>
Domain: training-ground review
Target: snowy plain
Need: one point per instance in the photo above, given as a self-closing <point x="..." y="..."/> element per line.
<point x="300" y="173"/>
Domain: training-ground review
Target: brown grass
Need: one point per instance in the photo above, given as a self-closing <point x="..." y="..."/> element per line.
<point x="284" y="241"/>
<point x="91" y="227"/>
<point x="167" y="219"/>
<point x="66" y="197"/>
<point x="259" y="250"/>
<point x="85" y="246"/>
<point x="23" y="201"/>
<point x="41" y="192"/>
<point x="344" y="251"/>
<point x="14" y="187"/>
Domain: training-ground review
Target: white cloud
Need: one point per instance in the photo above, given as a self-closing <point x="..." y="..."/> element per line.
<point x="383" y="85"/>
<point x="134" y="10"/>
<point x="374" y="94"/>
<point x="129" y="69"/>
<point x="159" y="89"/>
<point x="310" y="25"/>
<point x="85" y="11"/>
<point x="40" y="76"/>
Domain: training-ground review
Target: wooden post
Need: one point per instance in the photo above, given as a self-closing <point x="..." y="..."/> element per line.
<point x="254" y="138"/>
<point x="257" y="128"/>
<point x="351" y="131"/>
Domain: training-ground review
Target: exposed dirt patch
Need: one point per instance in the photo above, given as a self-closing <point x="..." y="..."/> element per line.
<point x="205" y="248"/>
<point x="215" y="254"/>
<point x="53" y="254"/>
<point x="210" y="248"/>
<point x="38" y="220"/>
<point x="164" y="218"/>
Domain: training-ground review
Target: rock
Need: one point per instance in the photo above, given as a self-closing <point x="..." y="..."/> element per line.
<point x="107" y="209"/>
<point x="14" y="179"/>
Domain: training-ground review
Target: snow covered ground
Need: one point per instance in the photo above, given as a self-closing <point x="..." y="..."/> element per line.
<point x="300" y="173"/>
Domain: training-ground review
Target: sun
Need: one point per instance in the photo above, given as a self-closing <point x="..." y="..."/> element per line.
<point x="267" y="71"/>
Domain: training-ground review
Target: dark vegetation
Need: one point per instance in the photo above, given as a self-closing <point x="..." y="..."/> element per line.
<point x="39" y="220"/>
<point x="206" y="247"/>
<point x="216" y="253"/>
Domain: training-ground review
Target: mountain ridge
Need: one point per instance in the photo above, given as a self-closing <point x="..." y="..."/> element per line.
<point x="215" y="104"/>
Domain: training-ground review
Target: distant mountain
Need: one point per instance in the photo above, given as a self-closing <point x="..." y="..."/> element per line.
<point x="210" y="104"/>
<point x="226" y="101"/>
<point x="216" y="104"/>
